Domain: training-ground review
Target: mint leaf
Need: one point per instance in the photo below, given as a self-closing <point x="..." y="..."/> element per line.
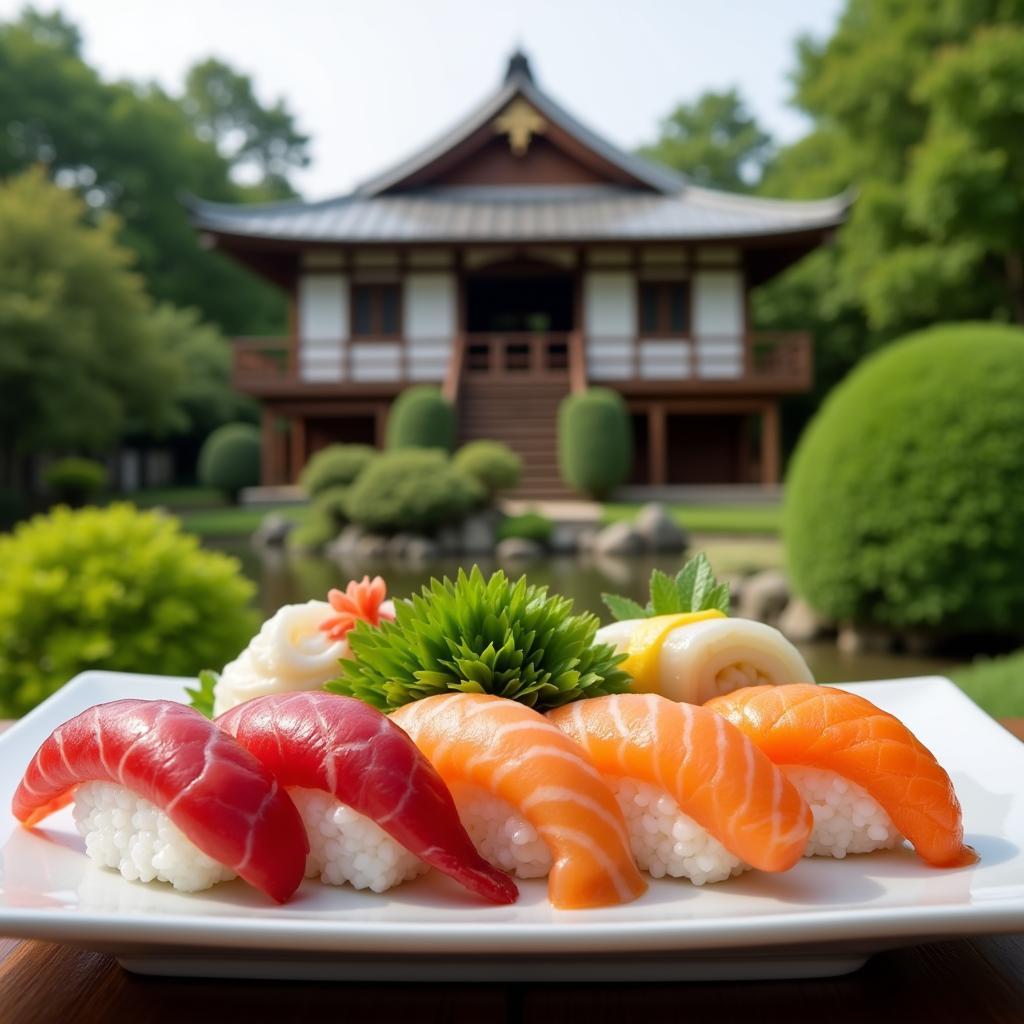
<point x="719" y="598"/>
<point x="685" y="579"/>
<point x="201" y="697"/>
<point x="664" y="595"/>
<point x="624" y="607"/>
<point x="703" y="584"/>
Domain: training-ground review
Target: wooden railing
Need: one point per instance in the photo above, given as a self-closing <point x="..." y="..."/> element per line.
<point x="516" y="355"/>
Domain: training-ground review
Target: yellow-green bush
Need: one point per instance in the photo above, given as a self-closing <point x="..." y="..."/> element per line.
<point x="112" y="588"/>
<point x="905" y="500"/>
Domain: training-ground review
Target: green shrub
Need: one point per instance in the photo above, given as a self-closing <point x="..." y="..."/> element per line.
<point x="316" y="529"/>
<point x="421" y="418"/>
<point x="996" y="684"/>
<point x="230" y="459"/>
<point x="337" y="465"/>
<point x="411" y="490"/>
<point x="595" y="441"/>
<point x="905" y="500"/>
<point x="112" y="588"/>
<point x="528" y="526"/>
<point x="75" y="481"/>
<point x="493" y="464"/>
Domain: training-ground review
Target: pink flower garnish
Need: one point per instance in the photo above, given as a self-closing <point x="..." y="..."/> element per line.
<point x="360" y="602"/>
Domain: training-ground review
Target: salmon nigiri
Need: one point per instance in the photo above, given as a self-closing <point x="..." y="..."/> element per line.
<point x="701" y="801"/>
<point x="867" y="777"/>
<point x="528" y="796"/>
<point x="161" y="793"/>
<point x="376" y="811"/>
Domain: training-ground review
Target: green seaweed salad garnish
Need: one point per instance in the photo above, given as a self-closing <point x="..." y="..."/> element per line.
<point x="480" y="635"/>
<point x="200" y="696"/>
<point x="693" y="589"/>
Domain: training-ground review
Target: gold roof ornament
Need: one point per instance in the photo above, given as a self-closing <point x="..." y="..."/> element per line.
<point x="520" y="122"/>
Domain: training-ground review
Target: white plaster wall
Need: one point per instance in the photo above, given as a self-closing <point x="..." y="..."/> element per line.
<point x="376" y="360"/>
<point x="609" y="322"/>
<point x="661" y="359"/>
<point x="323" y="325"/>
<point x="429" y="319"/>
<point x="718" y="323"/>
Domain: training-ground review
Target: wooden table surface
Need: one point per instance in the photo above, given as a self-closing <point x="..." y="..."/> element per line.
<point x="966" y="981"/>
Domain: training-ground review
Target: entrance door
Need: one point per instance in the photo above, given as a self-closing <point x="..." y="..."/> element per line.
<point x="705" y="449"/>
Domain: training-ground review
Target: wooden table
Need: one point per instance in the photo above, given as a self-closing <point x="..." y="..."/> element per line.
<point x="967" y="981"/>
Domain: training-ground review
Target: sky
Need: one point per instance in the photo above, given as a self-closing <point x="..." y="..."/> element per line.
<point x="373" y="80"/>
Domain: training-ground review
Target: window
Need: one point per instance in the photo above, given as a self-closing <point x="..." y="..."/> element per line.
<point x="376" y="311"/>
<point x="664" y="308"/>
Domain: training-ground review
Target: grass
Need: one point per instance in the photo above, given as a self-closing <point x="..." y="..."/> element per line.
<point x="754" y="519"/>
<point x="176" y="498"/>
<point x="233" y="521"/>
<point x="996" y="684"/>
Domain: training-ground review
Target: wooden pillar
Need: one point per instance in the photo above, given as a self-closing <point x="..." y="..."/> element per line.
<point x="298" y="452"/>
<point x="657" y="447"/>
<point x="770" y="453"/>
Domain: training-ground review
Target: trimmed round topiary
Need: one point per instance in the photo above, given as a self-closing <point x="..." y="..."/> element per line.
<point x="230" y="459"/>
<point x="493" y="464"/>
<point x="113" y="588"/>
<point x="75" y="481"/>
<point x="421" y="418"/>
<point x="411" y="490"/>
<point x="337" y="465"/>
<point x="595" y="441"/>
<point x="905" y="499"/>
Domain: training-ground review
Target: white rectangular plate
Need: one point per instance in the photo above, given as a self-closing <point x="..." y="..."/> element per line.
<point x="822" y="917"/>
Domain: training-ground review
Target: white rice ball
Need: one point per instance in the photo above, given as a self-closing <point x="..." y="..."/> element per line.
<point x="501" y="835"/>
<point x="346" y="846"/>
<point x="124" y="831"/>
<point x="846" y="818"/>
<point x="665" y="841"/>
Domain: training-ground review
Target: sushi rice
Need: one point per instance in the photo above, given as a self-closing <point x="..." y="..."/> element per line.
<point x="846" y="818"/>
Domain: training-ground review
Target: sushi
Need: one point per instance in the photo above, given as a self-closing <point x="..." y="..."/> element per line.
<point x="375" y="810"/>
<point x="528" y="795"/>
<point x="694" y="656"/>
<point x="870" y="782"/>
<point x="299" y="647"/>
<point x="699" y="799"/>
<point x="161" y="793"/>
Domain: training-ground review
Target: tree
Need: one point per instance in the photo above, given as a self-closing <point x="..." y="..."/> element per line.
<point x="715" y="142"/>
<point x="254" y="139"/>
<point x="80" y="365"/>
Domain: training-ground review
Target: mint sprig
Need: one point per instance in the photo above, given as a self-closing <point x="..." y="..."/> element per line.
<point x="693" y="589"/>
<point x="200" y="697"/>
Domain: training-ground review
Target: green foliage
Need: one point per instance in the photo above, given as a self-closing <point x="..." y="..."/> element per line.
<point x="80" y="365"/>
<point x="905" y="501"/>
<point x="595" y="441"/>
<point x="230" y="459"/>
<point x="996" y="684"/>
<point x="75" y="481"/>
<point x="693" y="589"/>
<point x="527" y="526"/>
<point x="411" y="490"/>
<point x="201" y="696"/>
<point x="112" y="588"/>
<point x="493" y="464"/>
<point x="337" y="465"/>
<point x="421" y="418"/>
<point x="316" y="529"/>
<point x="481" y="635"/>
<point x="715" y="142"/>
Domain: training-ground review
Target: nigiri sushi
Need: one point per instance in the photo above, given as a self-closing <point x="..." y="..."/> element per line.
<point x="376" y="811"/>
<point x="699" y="799"/>
<point x="299" y="647"/>
<point x="868" y="779"/>
<point x="161" y="793"/>
<point x="528" y="796"/>
<point x="694" y="656"/>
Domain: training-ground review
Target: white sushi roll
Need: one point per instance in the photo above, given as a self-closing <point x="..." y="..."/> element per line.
<point x="700" y="660"/>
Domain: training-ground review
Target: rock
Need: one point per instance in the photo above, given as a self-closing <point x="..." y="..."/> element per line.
<point x="660" y="532"/>
<point x="618" y="539"/>
<point x="273" y="531"/>
<point x="449" y="539"/>
<point x="344" y="546"/>
<point x="397" y="545"/>
<point x="864" y="640"/>
<point x="421" y="549"/>
<point x="801" y="623"/>
<point x="586" y="539"/>
<point x="479" y="533"/>
<point x="564" y="539"/>
<point x="371" y="547"/>
<point x="518" y="549"/>
<point x="764" y="596"/>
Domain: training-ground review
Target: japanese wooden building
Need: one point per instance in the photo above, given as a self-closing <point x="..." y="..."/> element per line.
<point x="517" y="258"/>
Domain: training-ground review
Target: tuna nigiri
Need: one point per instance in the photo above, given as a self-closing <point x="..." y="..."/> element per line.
<point x="376" y="811"/>
<point x="530" y="799"/>
<point x="161" y="793"/>
<point x="868" y="779"/>
<point x="701" y="801"/>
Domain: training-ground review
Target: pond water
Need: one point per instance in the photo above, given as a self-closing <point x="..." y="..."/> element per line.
<point x="284" y="579"/>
